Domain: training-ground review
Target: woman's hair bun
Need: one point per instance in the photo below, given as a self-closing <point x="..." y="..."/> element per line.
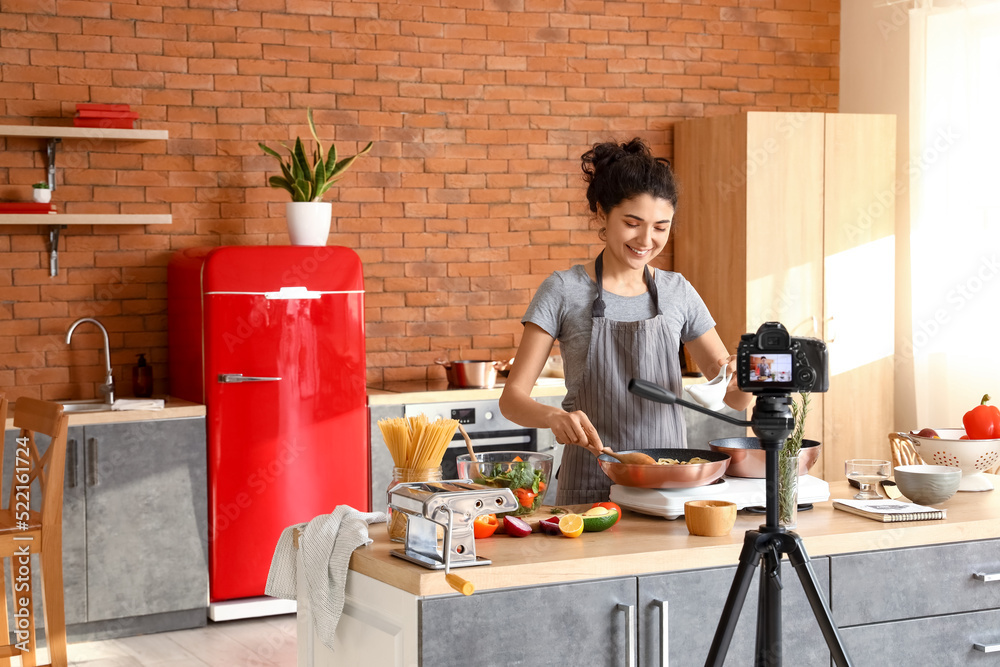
<point x="616" y="172"/>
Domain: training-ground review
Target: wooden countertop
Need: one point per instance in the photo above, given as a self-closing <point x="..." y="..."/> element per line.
<point x="438" y="391"/>
<point x="642" y="544"/>
<point x="174" y="408"/>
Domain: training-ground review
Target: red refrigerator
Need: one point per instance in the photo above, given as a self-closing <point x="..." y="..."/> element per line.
<point x="271" y="339"/>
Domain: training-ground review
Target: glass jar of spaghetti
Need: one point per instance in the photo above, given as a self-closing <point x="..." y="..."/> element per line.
<point x="397" y="520"/>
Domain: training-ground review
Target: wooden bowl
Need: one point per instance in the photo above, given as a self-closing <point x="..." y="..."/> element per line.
<point x="709" y="518"/>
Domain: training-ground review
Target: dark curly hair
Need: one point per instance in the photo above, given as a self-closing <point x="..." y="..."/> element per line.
<point x="616" y="172"/>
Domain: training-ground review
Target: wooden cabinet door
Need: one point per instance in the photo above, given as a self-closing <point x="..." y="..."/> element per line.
<point x="74" y="534"/>
<point x="693" y="607"/>
<point x="859" y="286"/>
<point x="563" y="624"/>
<point x="146" y="518"/>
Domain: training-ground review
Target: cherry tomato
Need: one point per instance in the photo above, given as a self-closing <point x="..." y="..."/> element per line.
<point x="485" y="525"/>
<point x="525" y="496"/>
<point x="611" y="506"/>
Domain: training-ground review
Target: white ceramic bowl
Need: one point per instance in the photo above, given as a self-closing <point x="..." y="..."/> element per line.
<point x="972" y="456"/>
<point x="927" y="484"/>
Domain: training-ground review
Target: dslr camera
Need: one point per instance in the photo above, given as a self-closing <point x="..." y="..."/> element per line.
<point x="773" y="362"/>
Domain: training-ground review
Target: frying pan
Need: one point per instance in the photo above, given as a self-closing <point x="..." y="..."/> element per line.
<point x="667" y="476"/>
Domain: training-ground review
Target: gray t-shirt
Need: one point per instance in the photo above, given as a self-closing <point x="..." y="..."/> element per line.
<point x="563" y="307"/>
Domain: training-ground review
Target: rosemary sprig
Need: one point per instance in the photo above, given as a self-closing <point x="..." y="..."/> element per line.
<point x="788" y="464"/>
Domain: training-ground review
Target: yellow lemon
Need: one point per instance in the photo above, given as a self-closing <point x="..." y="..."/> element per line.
<point x="571" y="525"/>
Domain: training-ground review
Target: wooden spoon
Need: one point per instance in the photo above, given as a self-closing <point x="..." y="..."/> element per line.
<point x="633" y="458"/>
<point x="468" y="443"/>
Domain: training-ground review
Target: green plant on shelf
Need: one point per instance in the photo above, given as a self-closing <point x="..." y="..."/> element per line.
<point x="41" y="185"/>
<point x="307" y="177"/>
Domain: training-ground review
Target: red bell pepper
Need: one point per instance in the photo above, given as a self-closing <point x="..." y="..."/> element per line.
<point x="983" y="421"/>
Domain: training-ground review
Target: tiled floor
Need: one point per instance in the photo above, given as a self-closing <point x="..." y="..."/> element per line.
<point x="259" y="642"/>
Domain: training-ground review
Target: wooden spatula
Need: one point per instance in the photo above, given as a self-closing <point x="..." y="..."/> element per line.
<point x="637" y="458"/>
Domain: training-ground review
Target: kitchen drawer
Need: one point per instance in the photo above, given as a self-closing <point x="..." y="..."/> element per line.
<point x="878" y="586"/>
<point x="563" y="624"/>
<point x="941" y="641"/>
<point x="695" y="599"/>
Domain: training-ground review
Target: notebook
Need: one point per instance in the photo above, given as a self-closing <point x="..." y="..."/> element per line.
<point x="889" y="510"/>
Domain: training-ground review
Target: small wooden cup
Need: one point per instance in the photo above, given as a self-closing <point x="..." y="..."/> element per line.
<point x="709" y="518"/>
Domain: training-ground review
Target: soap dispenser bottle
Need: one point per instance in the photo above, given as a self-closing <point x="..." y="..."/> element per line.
<point x="142" y="378"/>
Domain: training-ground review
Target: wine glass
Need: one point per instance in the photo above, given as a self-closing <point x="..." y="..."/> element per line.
<point x="867" y="473"/>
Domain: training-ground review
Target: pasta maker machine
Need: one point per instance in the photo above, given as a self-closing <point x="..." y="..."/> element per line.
<point x="449" y="506"/>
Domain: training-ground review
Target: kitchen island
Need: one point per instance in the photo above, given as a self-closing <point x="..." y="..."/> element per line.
<point x="903" y="593"/>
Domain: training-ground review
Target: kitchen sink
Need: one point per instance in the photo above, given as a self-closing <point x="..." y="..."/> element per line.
<point x="86" y="405"/>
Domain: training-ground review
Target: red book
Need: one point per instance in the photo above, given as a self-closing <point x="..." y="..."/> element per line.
<point x="106" y="114"/>
<point x="27" y="206"/>
<point x="102" y="107"/>
<point x="106" y="123"/>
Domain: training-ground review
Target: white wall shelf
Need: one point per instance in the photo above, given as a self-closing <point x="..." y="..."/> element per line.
<point x="53" y="137"/>
<point x="50" y="132"/>
<point x="85" y="219"/>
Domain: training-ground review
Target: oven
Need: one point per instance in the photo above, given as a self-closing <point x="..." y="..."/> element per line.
<point x="489" y="430"/>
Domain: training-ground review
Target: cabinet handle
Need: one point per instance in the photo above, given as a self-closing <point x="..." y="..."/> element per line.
<point x="987" y="648"/>
<point x="629" y="610"/>
<point x="664" y="637"/>
<point x="71" y="463"/>
<point x="92" y="461"/>
<point x="987" y="576"/>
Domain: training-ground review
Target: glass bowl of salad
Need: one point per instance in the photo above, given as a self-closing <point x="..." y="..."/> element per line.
<point x="527" y="474"/>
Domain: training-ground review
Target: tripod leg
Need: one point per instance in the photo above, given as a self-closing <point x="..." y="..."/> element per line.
<point x="768" y="649"/>
<point x="821" y="610"/>
<point x="749" y="557"/>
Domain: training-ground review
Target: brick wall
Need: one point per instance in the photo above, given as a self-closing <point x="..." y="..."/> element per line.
<point x="479" y="110"/>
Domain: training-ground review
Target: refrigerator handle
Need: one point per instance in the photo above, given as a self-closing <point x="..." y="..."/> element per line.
<point x="228" y="378"/>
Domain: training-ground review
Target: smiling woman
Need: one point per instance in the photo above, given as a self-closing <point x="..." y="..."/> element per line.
<point x="615" y="319"/>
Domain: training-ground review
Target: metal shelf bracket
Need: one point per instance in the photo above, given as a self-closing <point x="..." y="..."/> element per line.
<point x="54" y="249"/>
<point x="50" y="151"/>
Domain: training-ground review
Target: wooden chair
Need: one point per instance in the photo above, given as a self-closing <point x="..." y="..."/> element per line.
<point x="24" y="532"/>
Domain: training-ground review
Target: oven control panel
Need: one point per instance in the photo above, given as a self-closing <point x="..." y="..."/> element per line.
<point x="473" y="415"/>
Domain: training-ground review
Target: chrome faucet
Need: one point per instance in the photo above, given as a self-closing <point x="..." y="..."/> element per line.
<point x="109" y="381"/>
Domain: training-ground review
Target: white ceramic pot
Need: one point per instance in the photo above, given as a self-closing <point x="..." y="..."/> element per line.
<point x="41" y="195"/>
<point x="308" y="222"/>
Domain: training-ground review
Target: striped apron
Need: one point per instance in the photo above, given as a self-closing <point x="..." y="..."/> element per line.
<point x="620" y="351"/>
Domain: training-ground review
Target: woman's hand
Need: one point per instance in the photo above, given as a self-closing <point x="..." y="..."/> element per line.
<point x="574" y="428"/>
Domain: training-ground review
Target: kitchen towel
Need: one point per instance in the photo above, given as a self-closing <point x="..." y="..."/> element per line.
<point x="327" y="543"/>
<point x="137" y="404"/>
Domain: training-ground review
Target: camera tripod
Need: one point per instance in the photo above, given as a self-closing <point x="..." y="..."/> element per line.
<point x="772" y="423"/>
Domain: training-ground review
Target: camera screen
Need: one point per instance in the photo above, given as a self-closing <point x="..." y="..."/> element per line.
<point x="771" y="368"/>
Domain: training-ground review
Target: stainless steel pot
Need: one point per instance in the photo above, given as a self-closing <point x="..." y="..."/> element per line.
<point x="472" y="374"/>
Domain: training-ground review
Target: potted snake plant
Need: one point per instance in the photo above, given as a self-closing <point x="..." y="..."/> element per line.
<point x="307" y="177"/>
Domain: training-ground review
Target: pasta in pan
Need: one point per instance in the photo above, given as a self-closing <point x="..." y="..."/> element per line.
<point x="677" y="462"/>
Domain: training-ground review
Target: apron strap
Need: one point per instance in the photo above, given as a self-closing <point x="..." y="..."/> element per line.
<point x="599" y="304"/>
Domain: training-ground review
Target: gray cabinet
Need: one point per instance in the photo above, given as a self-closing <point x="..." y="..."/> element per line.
<point x="74" y="535"/>
<point x="135" y="516"/>
<point x="941" y="641"/>
<point x="687" y="607"/>
<point x="146" y="498"/>
<point x="919" y="606"/>
<point x="585" y="623"/>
